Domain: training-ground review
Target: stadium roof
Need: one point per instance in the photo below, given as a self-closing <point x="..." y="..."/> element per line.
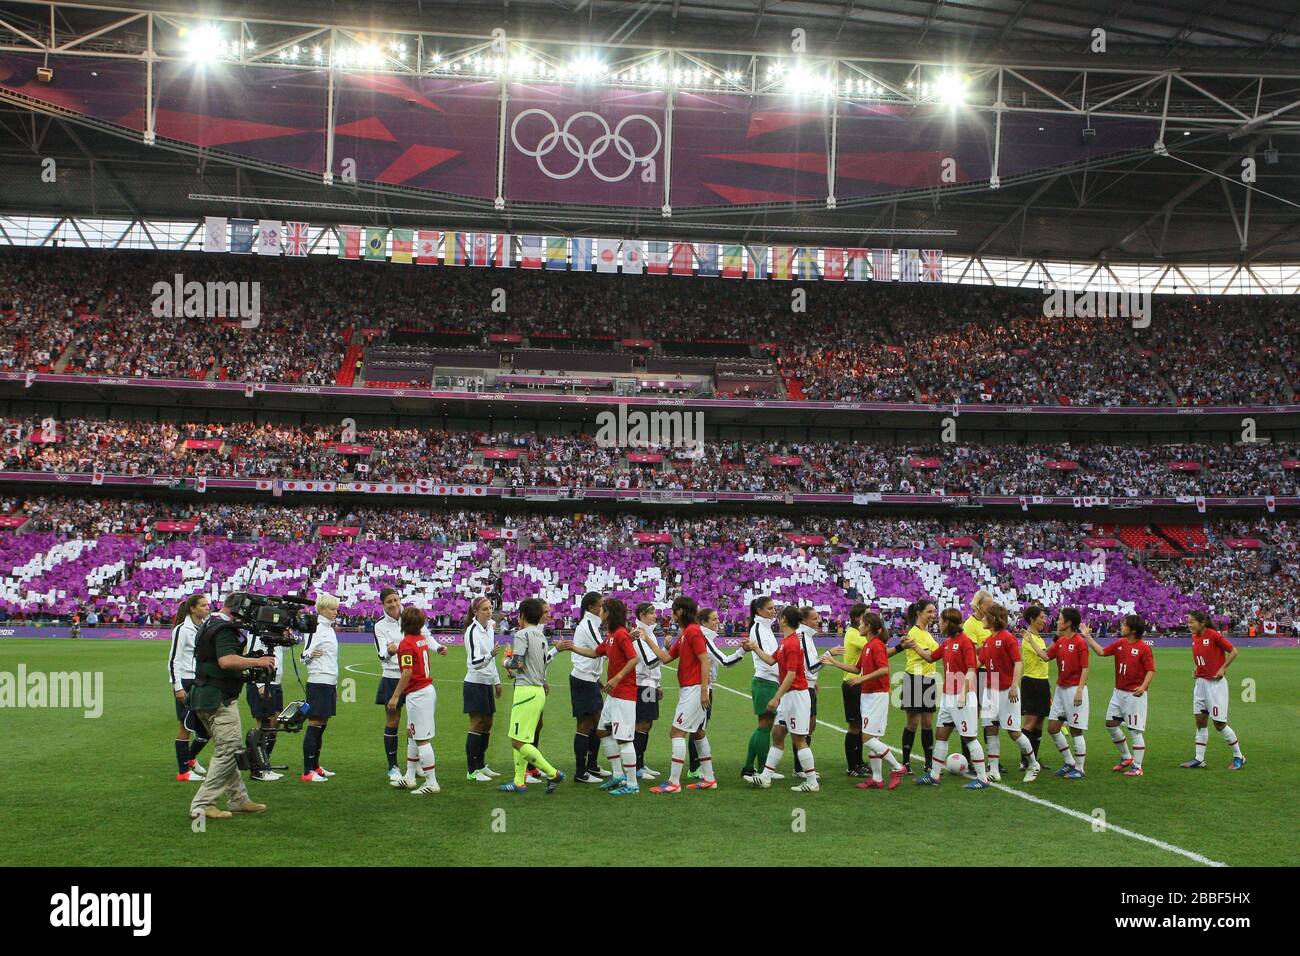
<point x="1226" y="76"/>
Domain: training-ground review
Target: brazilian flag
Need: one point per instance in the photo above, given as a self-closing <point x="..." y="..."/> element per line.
<point x="377" y="244"/>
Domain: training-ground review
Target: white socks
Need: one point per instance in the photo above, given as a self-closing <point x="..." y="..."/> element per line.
<point x="705" y="753"/>
<point x="937" y="759"/>
<point x="1117" y="735"/>
<point x="977" y="759"/>
<point x="994" y="750"/>
<point x="412" y="759"/>
<point x="1139" y="748"/>
<point x="1063" y="746"/>
<point x="1027" y="748"/>
<point x="1230" y="738"/>
<point x="679" y="758"/>
<point x="1080" y="751"/>
<point x="1202" y="739"/>
<point x="628" y="754"/>
<point x="427" y="762"/>
<point x="774" y="755"/>
<point x="879" y="751"/>
<point x="610" y="746"/>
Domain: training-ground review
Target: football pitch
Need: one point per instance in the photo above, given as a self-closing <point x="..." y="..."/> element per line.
<point x="102" y="791"/>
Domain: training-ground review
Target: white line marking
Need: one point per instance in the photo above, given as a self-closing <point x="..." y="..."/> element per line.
<point x="1077" y="814"/>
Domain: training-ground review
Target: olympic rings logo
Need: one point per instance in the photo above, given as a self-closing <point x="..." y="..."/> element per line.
<point x="582" y="154"/>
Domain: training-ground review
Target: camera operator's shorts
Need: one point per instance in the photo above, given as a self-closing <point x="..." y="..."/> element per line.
<point x="321" y="699"/>
<point x="420" y="705"/>
<point x="526" y="712"/>
<point x="478" y="698"/>
<point x="268" y="704"/>
<point x="385" y="693"/>
<point x="183" y="706"/>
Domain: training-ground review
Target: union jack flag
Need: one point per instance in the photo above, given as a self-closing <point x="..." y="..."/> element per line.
<point x="931" y="265"/>
<point x="295" y="238"/>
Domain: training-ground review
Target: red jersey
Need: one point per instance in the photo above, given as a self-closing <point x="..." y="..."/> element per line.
<point x="413" y="656"/>
<point x="1071" y="656"/>
<point x="873" y="657"/>
<point x="999" y="657"/>
<point x="789" y="660"/>
<point x="1133" y="661"/>
<point x="958" y="655"/>
<point x="1209" y="649"/>
<point x="689" y="649"/>
<point x="617" y="647"/>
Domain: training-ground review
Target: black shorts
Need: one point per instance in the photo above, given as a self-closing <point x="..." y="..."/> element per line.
<point x="647" y="704"/>
<point x="268" y="705"/>
<point x="182" y="706"/>
<point x="321" y="700"/>
<point x="852" y="703"/>
<point x="385" y="692"/>
<point x="479" y="699"/>
<point x="585" y="695"/>
<point x="1035" y="697"/>
<point x="920" y="694"/>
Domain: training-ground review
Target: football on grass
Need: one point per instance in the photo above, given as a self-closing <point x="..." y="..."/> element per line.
<point x="956" y="763"/>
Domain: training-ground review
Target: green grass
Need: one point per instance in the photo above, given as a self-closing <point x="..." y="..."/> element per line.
<point x="102" y="791"/>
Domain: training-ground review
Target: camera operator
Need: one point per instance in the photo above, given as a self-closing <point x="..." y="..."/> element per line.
<point x="218" y="674"/>
<point x="265" y="701"/>
<point x="321" y="655"/>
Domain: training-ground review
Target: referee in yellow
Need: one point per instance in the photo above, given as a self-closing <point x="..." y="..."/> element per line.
<point x="1035" y="688"/>
<point x="919" y="697"/>
<point x="850" y="651"/>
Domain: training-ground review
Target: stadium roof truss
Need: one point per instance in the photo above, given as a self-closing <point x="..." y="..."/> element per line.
<point x="1235" y="108"/>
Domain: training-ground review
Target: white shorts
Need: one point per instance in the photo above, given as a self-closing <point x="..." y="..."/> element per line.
<point x="1211" y="697"/>
<point x="1063" y="708"/>
<point x="619" y="716"/>
<point x="794" y="712"/>
<point x="419" y="713"/>
<point x="875" y="713"/>
<point x="997" y="708"/>
<point x="690" y="715"/>
<point x="1129" y="710"/>
<point x="965" y="719"/>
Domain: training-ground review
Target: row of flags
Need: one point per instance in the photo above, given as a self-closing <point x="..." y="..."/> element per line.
<point x="639" y="257"/>
<point x="580" y="254"/>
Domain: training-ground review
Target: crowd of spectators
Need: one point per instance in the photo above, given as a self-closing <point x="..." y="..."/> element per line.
<point x="252" y="450"/>
<point x="93" y="312"/>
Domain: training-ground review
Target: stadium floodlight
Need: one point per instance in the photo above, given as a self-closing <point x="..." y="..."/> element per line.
<point x="950" y="88"/>
<point x="203" y="44"/>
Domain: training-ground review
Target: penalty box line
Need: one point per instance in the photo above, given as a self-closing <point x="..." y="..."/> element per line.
<point x="1076" y="814"/>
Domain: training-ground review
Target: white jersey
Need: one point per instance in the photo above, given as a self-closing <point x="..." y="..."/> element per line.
<point x="811" y="658"/>
<point x="587" y="636"/>
<point x="323" y="669"/>
<point x="716" y="656"/>
<point x="480" y="665"/>
<point x="388" y="630"/>
<point x="648" y="673"/>
<point x="180" y="661"/>
<point x="761" y="634"/>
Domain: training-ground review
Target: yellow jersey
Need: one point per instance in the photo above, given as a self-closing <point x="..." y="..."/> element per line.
<point x="976" y="631"/>
<point x="1034" y="666"/>
<point x="914" y="663"/>
<point x="854" y="642"/>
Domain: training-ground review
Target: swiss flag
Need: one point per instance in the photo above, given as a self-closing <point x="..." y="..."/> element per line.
<point x="833" y="265"/>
